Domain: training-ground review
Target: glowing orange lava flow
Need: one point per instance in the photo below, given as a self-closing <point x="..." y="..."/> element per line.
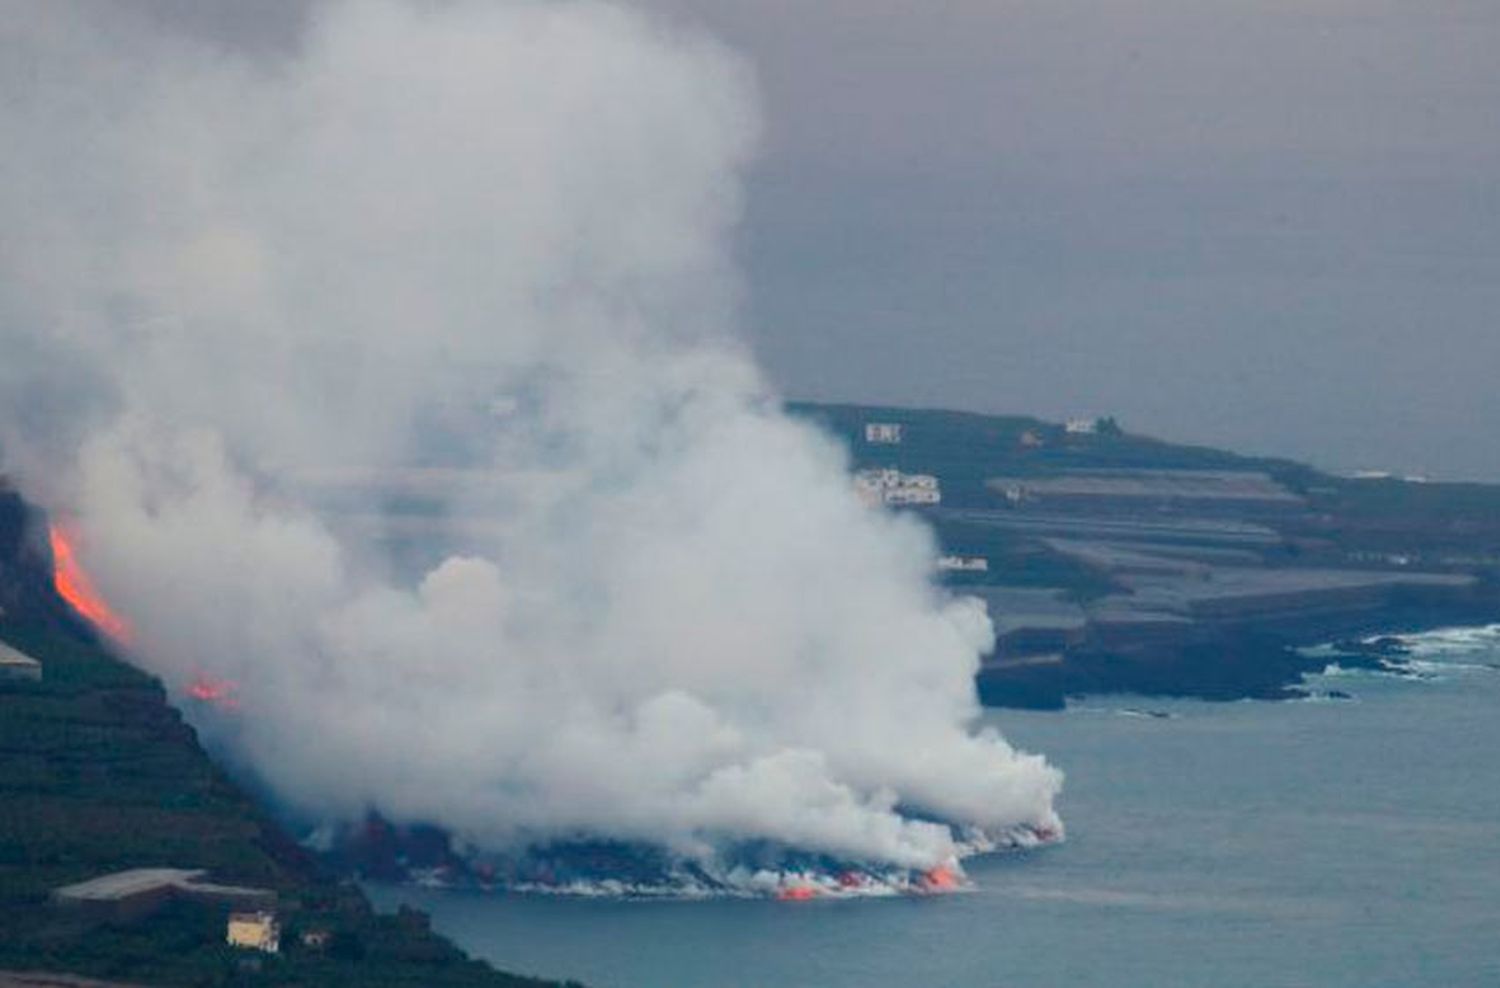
<point x="73" y="585"/>
<point x="797" y="893"/>
<point x="217" y="692"/>
<point x="940" y="879"/>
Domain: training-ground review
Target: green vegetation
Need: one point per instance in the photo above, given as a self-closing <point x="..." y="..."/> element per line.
<point x="98" y="774"/>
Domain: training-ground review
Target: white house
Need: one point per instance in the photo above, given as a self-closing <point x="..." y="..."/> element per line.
<point x="912" y="495"/>
<point x="254" y="931"/>
<point x="963" y="564"/>
<point x="883" y="433"/>
<point x="890" y="486"/>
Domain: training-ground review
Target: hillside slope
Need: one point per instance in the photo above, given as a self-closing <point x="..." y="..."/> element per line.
<point x="99" y="774"/>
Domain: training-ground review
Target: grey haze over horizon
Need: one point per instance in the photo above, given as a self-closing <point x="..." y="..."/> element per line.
<point x="1269" y="226"/>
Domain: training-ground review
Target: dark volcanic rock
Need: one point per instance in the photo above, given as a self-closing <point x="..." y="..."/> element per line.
<point x="1229" y="667"/>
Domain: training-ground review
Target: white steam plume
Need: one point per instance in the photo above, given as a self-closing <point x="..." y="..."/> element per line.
<point x="227" y="279"/>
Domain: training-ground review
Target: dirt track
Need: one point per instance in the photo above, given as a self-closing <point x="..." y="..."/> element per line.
<point x="38" y="979"/>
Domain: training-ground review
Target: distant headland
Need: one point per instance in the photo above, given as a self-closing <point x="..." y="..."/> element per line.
<point x="1114" y="562"/>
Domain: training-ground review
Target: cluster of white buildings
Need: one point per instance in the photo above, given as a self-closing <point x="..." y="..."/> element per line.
<point x="892" y="487"/>
<point x="963" y="564"/>
<point x="883" y="433"/>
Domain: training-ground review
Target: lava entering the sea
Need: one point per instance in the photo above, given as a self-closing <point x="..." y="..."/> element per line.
<point x="797" y="893"/>
<point x="73" y="585"/>
<point x="943" y="878"/>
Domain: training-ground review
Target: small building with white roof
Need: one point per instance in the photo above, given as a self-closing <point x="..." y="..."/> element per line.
<point x="15" y="664"/>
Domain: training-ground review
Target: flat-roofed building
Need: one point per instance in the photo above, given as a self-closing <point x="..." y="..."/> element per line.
<point x="963" y="564"/>
<point x="890" y="486"/>
<point x="132" y="896"/>
<point x="18" y="665"/>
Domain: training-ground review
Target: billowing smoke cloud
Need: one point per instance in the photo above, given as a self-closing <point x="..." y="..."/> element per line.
<point x="487" y="238"/>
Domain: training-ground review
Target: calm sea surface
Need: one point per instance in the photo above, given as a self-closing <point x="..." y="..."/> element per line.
<point x="1308" y="843"/>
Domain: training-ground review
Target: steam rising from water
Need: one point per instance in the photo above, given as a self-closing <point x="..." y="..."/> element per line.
<point x="501" y="226"/>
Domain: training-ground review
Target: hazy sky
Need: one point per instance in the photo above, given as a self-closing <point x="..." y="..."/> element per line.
<point x="1271" y="224"/>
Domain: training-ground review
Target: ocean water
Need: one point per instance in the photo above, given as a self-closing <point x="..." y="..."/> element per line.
<point x="1320" y="843"/>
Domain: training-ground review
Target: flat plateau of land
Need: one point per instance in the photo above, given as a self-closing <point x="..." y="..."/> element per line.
<point x="1118" y="562"/>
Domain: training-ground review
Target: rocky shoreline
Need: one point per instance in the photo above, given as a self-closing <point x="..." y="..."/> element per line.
<point x="1219" y="663"/>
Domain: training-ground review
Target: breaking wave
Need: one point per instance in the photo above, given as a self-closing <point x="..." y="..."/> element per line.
<point x="1424" y="656"/>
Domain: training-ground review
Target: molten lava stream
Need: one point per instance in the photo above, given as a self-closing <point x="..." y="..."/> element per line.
<point x="73" y="585"/>
<point x="797" y="893"/>
<point x="943" y="878"/>
<point x="216" y="692"/>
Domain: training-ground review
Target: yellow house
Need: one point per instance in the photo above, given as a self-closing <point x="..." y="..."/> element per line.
<point x="255" y="931"/>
